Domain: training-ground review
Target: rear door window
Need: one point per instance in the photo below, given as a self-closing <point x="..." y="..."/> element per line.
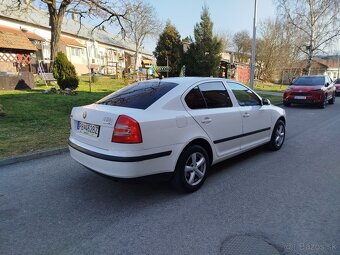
<point x="215" y="95"/>
<point x="138" y="95"/>
<point x="208" y="95"/>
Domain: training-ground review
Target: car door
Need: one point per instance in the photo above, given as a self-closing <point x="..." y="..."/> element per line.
<point x="210" y="105"/>
<point x="256" y="118"/>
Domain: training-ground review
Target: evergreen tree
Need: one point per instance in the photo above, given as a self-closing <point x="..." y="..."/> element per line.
<point x="170" y="49"/>
<point x="65" y="72"/>
<point x="203" y="56"/>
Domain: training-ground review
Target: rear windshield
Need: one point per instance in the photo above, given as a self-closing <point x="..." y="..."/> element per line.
<point x="138" y="95"/>
<point x="309" y="81"/>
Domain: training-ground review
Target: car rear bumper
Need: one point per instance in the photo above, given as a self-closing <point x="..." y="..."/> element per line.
<point x="127" y="164"/>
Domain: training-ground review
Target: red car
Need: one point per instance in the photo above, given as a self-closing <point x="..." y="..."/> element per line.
<point x="337" y="86"/>
<point x="311" y="89"/>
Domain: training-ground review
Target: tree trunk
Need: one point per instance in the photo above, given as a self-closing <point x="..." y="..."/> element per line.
<point x="55" y="39"/>
<point x="56" y="20"/>
<point x="136" y="62"/>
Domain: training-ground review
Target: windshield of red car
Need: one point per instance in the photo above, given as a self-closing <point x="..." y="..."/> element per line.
<point x="309" y="81"/>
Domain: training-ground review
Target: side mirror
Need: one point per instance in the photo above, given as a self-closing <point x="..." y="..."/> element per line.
<point x="327" y="84"/>
<point x="265" y="101"/>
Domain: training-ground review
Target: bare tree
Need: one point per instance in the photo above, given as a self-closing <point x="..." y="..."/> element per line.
<point x="226" y="39"/>
<point x="242" y="45"/>
<point x="316" y="21"/>
<point x="57" y="9"/>
<point x="140" y="23"/>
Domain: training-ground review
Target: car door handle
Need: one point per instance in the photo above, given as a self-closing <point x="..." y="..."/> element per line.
<point x="206" y="120"/>
<point x="246" y="115"/>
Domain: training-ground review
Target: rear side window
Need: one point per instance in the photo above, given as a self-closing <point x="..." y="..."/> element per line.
<point x="138" y="95"/>
<point x="244" y="95"/>
<point x="195" y="100"/>
<point x="208" y="95"/>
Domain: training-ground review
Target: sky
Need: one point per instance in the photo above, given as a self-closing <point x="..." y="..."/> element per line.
<point x="228" y="15"/>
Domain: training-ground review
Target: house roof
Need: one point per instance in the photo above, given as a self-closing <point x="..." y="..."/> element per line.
<point x="39" y="18"/>
<point x="329" y="63"/>
<point x="17" y="41"/>
<point x="70" y="41"/>
<point x="33" y="36"/>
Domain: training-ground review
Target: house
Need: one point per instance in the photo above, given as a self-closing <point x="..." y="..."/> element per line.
<point x="89" y="49"/>
<point x="16" y="52"/>
<point x="325" y="65"/>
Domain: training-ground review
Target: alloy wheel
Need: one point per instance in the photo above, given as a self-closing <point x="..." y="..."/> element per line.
<point x="195" y="168"/>
<point x="280" y="135"/>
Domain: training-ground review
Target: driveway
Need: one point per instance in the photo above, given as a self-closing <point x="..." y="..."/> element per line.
<point x="288" y="200"/>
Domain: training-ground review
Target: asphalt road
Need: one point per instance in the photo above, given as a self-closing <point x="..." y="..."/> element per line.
<point x="289" y="198"/>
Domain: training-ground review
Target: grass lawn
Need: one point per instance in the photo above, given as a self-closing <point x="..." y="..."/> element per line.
<point x="37" y="121"/>
<point x="268" y="86"/>
<point x="273" y="99"/>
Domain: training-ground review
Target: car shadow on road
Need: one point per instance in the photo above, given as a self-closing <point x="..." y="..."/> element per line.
<point x="228" y="164"/>
<point x="304" y="106"/>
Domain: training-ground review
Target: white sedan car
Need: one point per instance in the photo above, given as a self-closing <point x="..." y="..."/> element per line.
<point x="180" y="126"/>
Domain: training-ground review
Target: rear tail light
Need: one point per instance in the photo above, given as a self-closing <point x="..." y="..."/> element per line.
<point x="126" y="130"/>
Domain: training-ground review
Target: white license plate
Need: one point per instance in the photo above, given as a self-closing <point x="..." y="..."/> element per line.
<point x="88" y="129"/>
<point x="300" y="97"/>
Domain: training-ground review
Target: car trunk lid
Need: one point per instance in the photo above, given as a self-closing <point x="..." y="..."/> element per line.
<point x="93" y="124"/>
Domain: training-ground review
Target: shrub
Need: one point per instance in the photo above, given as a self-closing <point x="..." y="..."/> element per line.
<point x="65" y="72"/>
<point x="94" y="78"/>
<point x="69" y="82"/>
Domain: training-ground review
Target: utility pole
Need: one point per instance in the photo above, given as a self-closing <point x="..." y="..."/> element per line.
<point x="167" y="65"/>
<point x="253" y="48"/>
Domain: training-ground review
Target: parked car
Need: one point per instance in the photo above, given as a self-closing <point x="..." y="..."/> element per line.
<point x="313" y="89"/>
<point x="178" y="126"/>
<point x="337" y="86"/>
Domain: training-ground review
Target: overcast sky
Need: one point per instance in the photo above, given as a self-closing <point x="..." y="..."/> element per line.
<point x="228" y="15"/>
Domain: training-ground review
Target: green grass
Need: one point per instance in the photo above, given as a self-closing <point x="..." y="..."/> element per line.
<point x="273" y="99"/>
<point x="35" y="121"/>
<point x="268" y="86"/>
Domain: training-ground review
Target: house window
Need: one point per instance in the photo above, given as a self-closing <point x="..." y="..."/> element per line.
<point x="76" y="51"/>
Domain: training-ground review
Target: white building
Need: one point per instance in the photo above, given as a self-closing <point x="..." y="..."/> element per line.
<point x="89" y="50"/>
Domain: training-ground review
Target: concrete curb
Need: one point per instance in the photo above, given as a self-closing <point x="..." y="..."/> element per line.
<point x="37" y="155"/>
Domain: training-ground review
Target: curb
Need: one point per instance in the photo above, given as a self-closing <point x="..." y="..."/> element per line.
<point x="37" y="155"/>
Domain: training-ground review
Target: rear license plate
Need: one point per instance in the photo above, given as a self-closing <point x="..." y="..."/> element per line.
<point x="88" y="129"/>
<point x="300" y="97"/>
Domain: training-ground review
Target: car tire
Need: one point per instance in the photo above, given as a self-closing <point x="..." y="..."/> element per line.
<point x="278" y="136"/>
<point x="191" y="169"/>
<point x="324" y="102"/>
<point x="332" y="100"/>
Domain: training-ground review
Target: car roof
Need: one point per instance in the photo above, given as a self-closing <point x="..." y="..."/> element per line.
<point x="188" y="81"/>
<point x="314" y="76"/>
